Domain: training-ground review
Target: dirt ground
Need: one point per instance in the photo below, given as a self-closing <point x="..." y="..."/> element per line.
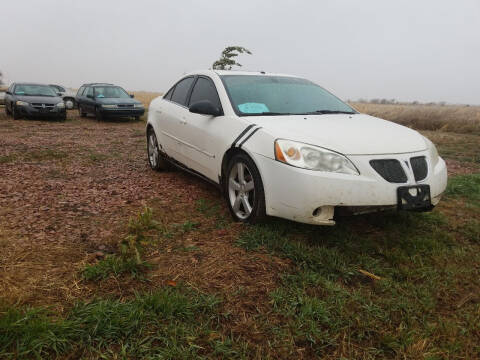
<point x="67" y="191"/>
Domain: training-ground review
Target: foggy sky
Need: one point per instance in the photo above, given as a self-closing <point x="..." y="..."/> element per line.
<point x="426" y="50"/>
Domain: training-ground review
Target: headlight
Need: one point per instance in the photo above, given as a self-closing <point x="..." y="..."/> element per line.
<point x="61" y="105"/>
<point x="138" y="106"/>
<point x="21" y="103"/>
<point x="432" y="150"/>
<point x="105" y="106"/>
<point x="312" y="157"/>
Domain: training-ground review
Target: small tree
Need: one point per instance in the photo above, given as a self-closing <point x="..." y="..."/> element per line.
<point x="1" y="78"/>
<point x="226" y="60"/>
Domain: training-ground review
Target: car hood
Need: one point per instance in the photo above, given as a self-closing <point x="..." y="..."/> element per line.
<point x="356" y="134"/>
<point x="39" y="99"/>
<point x="116" y="101"/>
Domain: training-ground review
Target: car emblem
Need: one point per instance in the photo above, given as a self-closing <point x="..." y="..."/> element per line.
<point x="43" y="106"/>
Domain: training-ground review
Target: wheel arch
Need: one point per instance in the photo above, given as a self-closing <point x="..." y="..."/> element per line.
<point x="229" y="154"/>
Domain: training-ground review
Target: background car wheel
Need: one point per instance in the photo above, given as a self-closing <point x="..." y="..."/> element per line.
<point x="155" y="159"/>
<point x="69" y="103"/>
<point x="98" y="114"/>
<point x="244" y="190"/>
<point x="7" y="111"/>
<point x="15" y="113"/>
<point x="81" y="112"/>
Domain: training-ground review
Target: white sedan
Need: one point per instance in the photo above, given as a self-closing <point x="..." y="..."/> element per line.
<point x="283" y="146"/>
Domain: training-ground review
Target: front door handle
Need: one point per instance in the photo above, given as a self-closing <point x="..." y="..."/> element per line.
<point x="183" y="121"/>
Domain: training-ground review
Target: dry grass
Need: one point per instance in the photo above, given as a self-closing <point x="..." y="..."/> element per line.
<point x="146" y="97"/>
<point x="453" y="118"/>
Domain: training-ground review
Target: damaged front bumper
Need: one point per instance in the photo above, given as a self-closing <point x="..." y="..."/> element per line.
<point x="314" y="197"/>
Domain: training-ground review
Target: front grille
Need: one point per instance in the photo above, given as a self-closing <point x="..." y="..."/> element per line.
<point x="41" y="106"/>
<point x="419" y="167"/>
<point x="390" y="169"/>
<point x="125" y="106"/>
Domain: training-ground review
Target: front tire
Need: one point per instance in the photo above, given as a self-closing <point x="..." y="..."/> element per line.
<point x="15" y="113"/>
<point x="244" y="190"/>
<point x="98" y="114"/>
<point x="155" y="159"/>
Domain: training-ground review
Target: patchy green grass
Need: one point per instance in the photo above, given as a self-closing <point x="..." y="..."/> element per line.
<point x="113" y="265"/>
<point x="465" y="186"/>
<point x="34" y="155"/>
<point x="375" y="286"/>
<point x="44" y="155"/>
<point x="168" y="323"/>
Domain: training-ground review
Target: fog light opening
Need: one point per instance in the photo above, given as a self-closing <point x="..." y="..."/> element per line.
<point x="317" y="212"/>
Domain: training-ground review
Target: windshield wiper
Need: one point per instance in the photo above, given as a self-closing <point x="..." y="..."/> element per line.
<point x="329" y="112"/>
<point x="266" y="113"/>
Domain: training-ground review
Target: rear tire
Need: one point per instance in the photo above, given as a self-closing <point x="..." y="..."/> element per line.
<point x="8" y="112"/>
<point x="81" y="112"/>
<point x="244" y="191"/>
<point x="155" y="159"/>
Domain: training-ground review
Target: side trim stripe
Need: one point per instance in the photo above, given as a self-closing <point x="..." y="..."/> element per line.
<point x="249" y="136"/>
<point x="241" y="134"/>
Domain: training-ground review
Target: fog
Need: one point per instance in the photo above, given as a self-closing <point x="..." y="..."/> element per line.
<point x="425" y="50"/>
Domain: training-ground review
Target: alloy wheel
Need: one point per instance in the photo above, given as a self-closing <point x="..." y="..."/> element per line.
<point x="241" y="190"/>
<point x="153" y="153"/>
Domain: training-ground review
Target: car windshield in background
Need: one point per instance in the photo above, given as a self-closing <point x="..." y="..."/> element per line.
<point x="280" y="95"/>
<point x="110" y="92"/>
<point x="34" y="90"/>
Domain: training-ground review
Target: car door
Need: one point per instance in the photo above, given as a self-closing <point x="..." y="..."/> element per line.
<point x="88" y="100"/>
<point x="9" y="97"/>
<point x="203" y="133"/>
<point x="171" y="117"/>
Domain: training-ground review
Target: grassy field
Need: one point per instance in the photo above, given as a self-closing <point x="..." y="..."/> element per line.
<point x="103" y="258"/>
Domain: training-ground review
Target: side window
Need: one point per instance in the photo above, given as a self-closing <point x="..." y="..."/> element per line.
<point x="80" y="91"/>
<point x="61" y="89"/>
<point x="204" y="89"/>
<point x="181" y="91"/>
<point x="168" y="95"/>
<point x="89" y="91"/>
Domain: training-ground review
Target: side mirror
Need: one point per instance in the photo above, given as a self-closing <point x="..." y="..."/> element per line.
<point x="8" y="92"/>
<point x="59" y="94"/>
<point x="132" y="96"/>
<point x="90" y="96"/>
<point x="205" y="107"/>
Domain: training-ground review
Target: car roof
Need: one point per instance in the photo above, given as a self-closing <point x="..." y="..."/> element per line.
<point x="235" y="72"/>
<point x="30" y="83"/>
<point x="99" y="84"/>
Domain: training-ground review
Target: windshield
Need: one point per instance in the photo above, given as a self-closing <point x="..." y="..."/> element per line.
<point x="34" y="90"/>
<point x="280" y="95"/>
<point x="110" y="92"/>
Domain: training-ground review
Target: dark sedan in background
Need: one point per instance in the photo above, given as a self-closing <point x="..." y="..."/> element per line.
<point x="34" y="101"/>
<point x="107" y="101"/>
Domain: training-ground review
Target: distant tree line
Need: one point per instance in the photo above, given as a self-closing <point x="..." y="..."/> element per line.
<point x="1" y="78"/>
<point x="394" y="101"/>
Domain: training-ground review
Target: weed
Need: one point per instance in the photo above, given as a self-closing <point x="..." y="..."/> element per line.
<point x="112" y="265"/>
<point x="142" y="230"/>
